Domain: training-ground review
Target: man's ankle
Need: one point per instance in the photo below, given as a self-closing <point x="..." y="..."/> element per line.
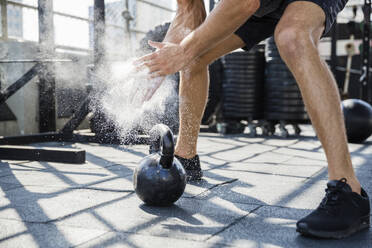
<point x="353" y="183"/>
<point x="186" y="155"/>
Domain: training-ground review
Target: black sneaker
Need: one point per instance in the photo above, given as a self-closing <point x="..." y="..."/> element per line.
<point x="192" y="168"/>
<point x="340" y="214"/>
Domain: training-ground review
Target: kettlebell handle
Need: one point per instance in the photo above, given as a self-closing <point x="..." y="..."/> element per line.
<point x="161" y="140"/>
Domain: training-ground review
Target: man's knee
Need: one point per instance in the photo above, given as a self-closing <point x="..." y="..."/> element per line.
<point x="292" y="41"/>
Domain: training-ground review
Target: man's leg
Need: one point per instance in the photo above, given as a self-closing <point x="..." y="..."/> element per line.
<point x="297" y="36"/>
<point x="194" y="94"/>
<point x="342" y="211"/>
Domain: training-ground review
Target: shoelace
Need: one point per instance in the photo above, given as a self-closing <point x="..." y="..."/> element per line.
<point x="333" y="197"/>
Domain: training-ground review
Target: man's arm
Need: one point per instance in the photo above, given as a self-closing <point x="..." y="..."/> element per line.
<point x="224" y="20"/>
<point x="190" y="14"/>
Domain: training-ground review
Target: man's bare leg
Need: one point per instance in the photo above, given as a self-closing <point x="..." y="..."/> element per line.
<point x="297" y="36"/>
<point x="194" y="94"/>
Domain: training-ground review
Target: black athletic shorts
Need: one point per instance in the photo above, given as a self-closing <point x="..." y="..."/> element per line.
<point x="257" y="29"/>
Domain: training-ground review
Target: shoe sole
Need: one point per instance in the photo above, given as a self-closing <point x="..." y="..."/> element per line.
<point x="361" y="224"/>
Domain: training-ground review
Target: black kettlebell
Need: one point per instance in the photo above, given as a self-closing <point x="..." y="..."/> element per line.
<point x="358" y="120"/>
<point x="160" y="179"/>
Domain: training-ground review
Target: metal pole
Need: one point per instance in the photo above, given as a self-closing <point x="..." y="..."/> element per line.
<point x="127" y="31"/>
<point x="4" y="19"/>
<point x="47" y="86"/>
<point x="99" y="31"/>
<point x="366" y="93"/>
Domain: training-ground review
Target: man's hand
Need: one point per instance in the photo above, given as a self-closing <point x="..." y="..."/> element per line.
<point x="190" y="15"/>
<point x="168" y="59"/>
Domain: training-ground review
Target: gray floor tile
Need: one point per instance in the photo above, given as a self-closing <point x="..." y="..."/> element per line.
<point x="18" y="234"/>
<point x="276" y="227"/>
<point x="126" y="240"/>
<point x="188" y="219"/>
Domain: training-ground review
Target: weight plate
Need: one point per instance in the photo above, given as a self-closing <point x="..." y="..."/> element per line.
<point x="255" y="95"/>
<point x="277" y="80"/>
<point x="240" y="87"/>
<point x="227" y="112"/>
<point x="243" y="116"/>
<point x="243" y="81"/>
<point x="243" y="71"/>
<point x="246" y="57"/>
<point x="242" y="111"/>
<point x="243" y="90"/>
<point x="243" y="78"/>
<point x="240" y="84"/>
<point x="250" y="116"/>
<point x="276" y="66"/>
<point x="284" y="95"/>
<point x="280" y="81"/>
<point x="284" y="86"/>
<point x="244" y="65"/>
<point x="287" y="109"/>
<point x="248" y="95"/>
<point x="281" y="88"/>
<point x="237" y="88"/>
<point x="279" y="74"/>
<point x="250" y="68"/>
<point x="235" y="92"/>
<point x="234" y="85"/>
<point x="244" y="62"/>
<point x="284" y="102"/>
<point x="286" y="116"/>
<point x="243" y="85"/>
<point x="241" y="101"/>
<point x="239" y="107"/>
<point x="272" y="73"/>
<point x="234" y="95"/>
<point x="240" y="55"/>
<point x="282" y="98"/>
